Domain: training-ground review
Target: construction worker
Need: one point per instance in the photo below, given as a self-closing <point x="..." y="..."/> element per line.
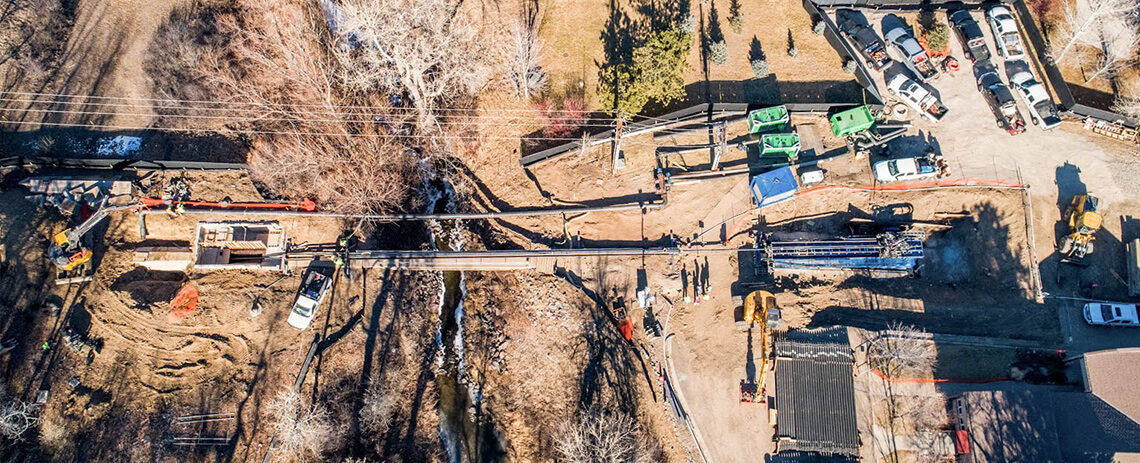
<point x="338" y="261"/>
<point x="47" y="345"/>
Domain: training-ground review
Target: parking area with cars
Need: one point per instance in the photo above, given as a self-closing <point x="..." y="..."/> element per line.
<point x="994" y="100"/>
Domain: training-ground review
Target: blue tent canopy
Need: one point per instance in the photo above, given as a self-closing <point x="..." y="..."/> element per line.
<point x="774" y="186"/>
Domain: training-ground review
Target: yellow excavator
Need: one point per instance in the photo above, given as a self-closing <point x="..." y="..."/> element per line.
<point x="1084" y="221"/>
<point x="759" y="312"/>
<point x="68" y="251"/>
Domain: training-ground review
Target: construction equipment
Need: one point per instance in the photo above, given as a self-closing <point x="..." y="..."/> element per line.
<point x="770" y="118"/>
<point x="69" y="251"/>
<point x="758" y="311"/>
<point x="781" y="145"/>
<point x="1084" y="221"/>
<point x="862" y="132"/>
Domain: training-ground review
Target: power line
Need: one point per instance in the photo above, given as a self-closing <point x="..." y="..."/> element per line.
<point x="277" y="132"/>
<point x="254" y="118"/>
<point x="33" y="102"/>
<point x="62" y="97"/>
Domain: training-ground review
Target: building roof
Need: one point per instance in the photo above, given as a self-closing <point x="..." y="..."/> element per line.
<point x="1114" y="376"/>
<point x="1047" y="426"/>
<point x="815" y="392"/>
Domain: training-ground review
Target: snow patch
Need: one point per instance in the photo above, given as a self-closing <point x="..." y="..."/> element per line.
<point x="120" y="146"/>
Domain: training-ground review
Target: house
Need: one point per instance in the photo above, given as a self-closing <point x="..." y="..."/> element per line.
<point x="815" y="396"/>
<point x="1043" y="424"/>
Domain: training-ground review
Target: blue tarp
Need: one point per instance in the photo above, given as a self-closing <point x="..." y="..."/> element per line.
<point x="774" y="186"/>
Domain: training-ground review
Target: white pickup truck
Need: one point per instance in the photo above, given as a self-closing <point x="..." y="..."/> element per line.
<point x="314" y="287"/>
<point x="917" y="97"/>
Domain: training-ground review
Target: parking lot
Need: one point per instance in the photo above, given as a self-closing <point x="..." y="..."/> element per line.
<point x="1057" y="164"/>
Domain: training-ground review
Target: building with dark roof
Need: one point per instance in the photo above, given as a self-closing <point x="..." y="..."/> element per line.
<point x="815" y="393"/>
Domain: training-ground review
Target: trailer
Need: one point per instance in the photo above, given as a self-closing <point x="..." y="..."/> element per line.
<point x="783" y="145"/>
<point x="770" y="118"/>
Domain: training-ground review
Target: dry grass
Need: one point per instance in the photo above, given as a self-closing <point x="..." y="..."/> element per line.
<point x="573" y="34"/>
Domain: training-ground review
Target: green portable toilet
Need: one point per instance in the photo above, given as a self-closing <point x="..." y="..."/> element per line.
<point x="852" y="121"/>
<point x="780" y="144"/>
<point x="770" y="118"/>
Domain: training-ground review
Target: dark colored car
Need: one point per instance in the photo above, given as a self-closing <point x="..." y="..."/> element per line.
<point x="999" y="97"/>
<point x="854" y="26"/>
<point x="969" y="34"/>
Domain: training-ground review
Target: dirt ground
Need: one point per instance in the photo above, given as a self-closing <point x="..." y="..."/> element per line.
<point x="153" y="368"/>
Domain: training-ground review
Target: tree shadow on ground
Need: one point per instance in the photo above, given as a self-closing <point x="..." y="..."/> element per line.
<point x="974" y="282"/>
<point x="608" y="379"/>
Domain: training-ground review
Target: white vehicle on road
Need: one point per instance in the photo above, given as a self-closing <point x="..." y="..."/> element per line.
<point x="1042" y="112"/>
<point x="895" y="170"/>
<point x="1111" y="314"/>
<point x="314" y="288"/>
<point x="917" y="97"/>
<point x="1005" y="32"/>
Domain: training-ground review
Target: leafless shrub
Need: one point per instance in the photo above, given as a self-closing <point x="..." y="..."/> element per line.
<point x="597" y="437"/>
<point x="311" y="138"/>
<point x="427" y="49"/>
<point x="302" y="431"/>
<point x="16" y="418"/>
<point x="1128" y="106"/>
<point x="378" y="407"/>
<point x="901" y="348"/>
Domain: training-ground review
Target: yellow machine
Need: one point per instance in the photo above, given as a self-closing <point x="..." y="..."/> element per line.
<point x="68" y="252"/>
<point x="759" y="312"/>
<point x="1084" y="221"/>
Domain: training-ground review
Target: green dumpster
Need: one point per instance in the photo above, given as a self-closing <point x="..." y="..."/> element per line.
<point x="770" y="118"/>
<point x="780" y="144"/>
<point x="852" y="121"/>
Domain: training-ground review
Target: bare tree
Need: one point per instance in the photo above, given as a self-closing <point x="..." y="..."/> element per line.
<point x="301" y="431"/>
<point x="526" y="51"/>
<point x="377" y="409"/>
<point x="312" y="138"/>
<point x="427" y="49"/>
<point x="901" y="348"/>
<point x="596" y="437"/>
<point x="16" y="418"/>
<point x="1086" y="23"/>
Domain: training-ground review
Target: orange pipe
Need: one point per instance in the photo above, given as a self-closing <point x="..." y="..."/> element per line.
<point x="306" y="205"/>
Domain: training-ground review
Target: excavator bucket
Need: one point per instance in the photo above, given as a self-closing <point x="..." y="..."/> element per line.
<point x="185" y="302"/>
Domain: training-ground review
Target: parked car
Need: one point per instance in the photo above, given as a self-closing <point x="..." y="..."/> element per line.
<point x="1005" y="31"/>
<point x="1000" y="99"/>
<point x="970" y="34"/>
<point x="917" y="97"/>
<point x="1111" y="314"/>
<point x="314" y="288"/>
<point x="1042" y="112"/>
<point x="914" y="168"/>
<point x="854" y="26"/>
<point x="913" y="56"/>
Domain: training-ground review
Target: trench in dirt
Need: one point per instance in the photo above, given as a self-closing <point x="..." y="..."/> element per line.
<point x="467" y="433"/>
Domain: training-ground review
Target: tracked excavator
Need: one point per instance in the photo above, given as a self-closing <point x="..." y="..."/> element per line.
<point x="758" y="311"/>
<point x="70" y="249"/>
<point x="1084" y="221"/>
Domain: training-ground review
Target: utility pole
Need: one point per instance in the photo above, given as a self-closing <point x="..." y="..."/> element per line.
<point x="616" y="155"/>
